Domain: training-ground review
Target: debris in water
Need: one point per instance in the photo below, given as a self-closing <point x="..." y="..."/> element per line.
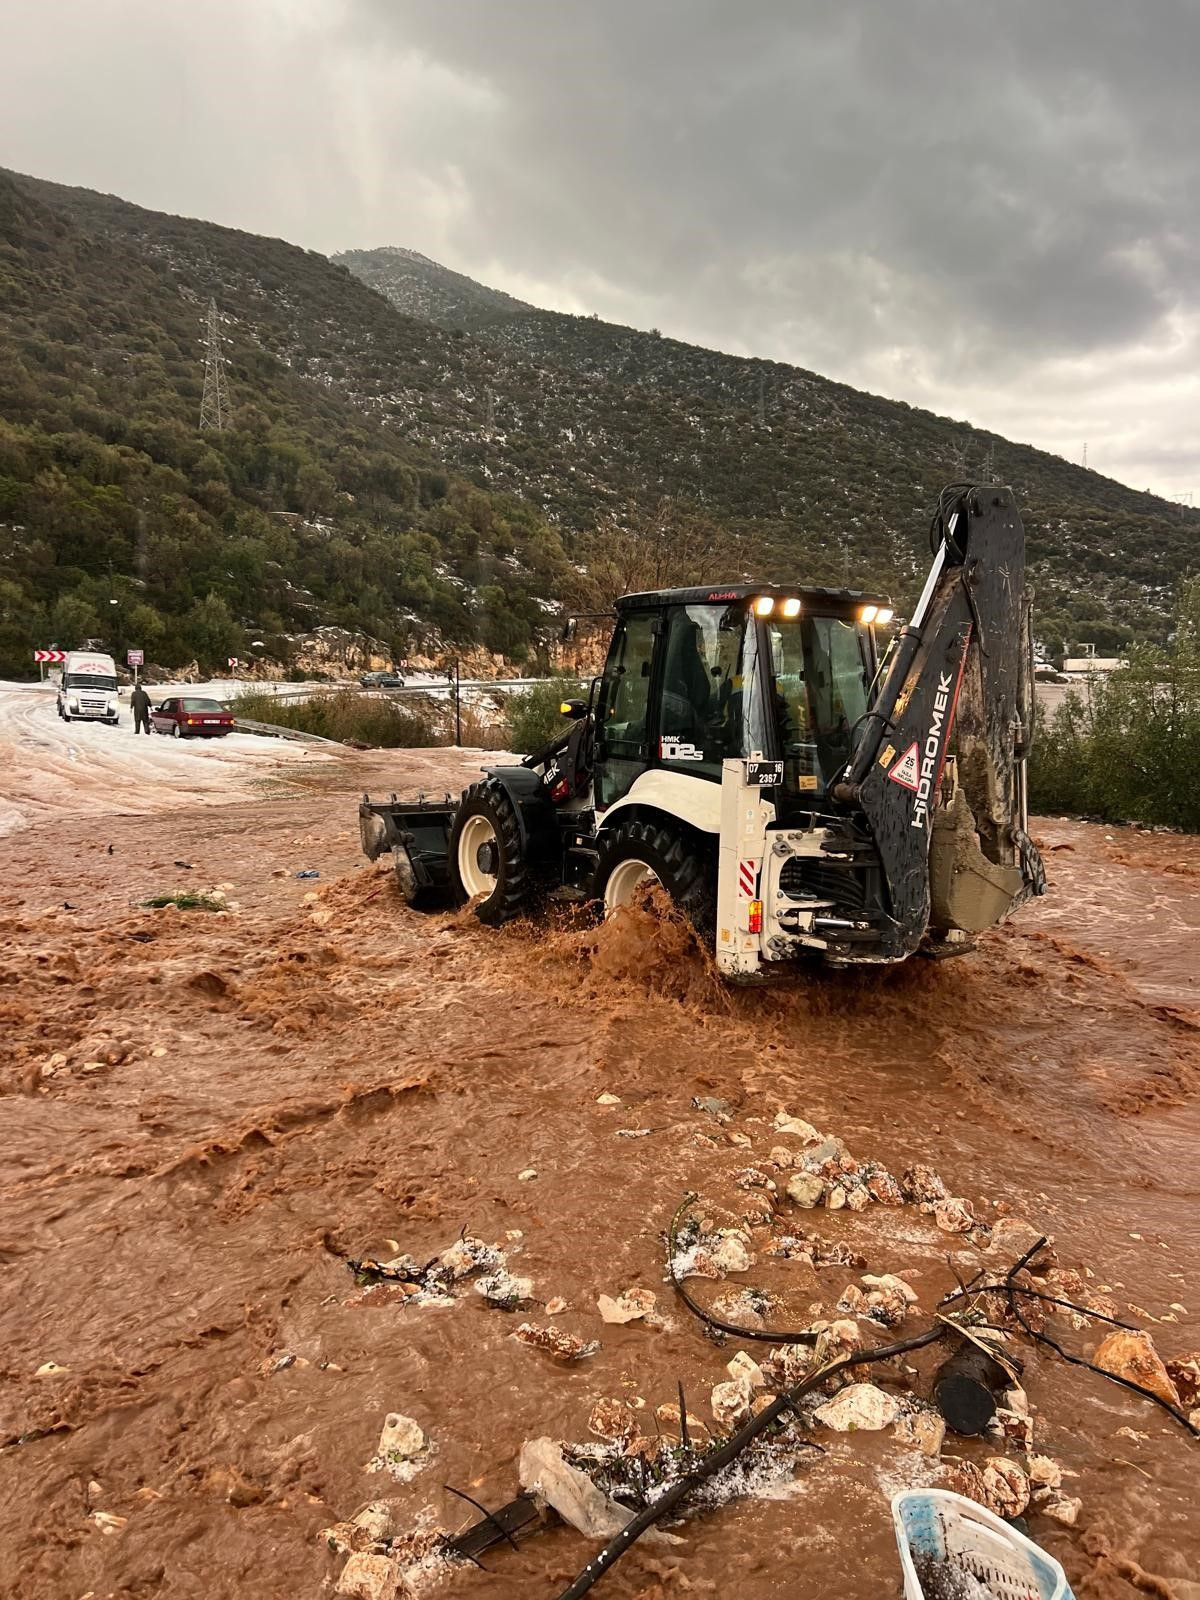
<point x="1131" y="1355"/>
<point x="608" y="1100"/>
<point x="107" y="1521"/>
<point x="544" y="1471"/>
<point x="555" y="1342"/>
<point x="954" y="1215"/>
<point x="527" y="1176"/>
<point x="923" y="1185"/>
<point x="504" y="1291"/>
<point x="858" y="1406"/>
<point x="920" y="1428"/>
<point x="1000" y="1485"/>
<point x="627" y="1307"/>
<point x="796" y="1126"/>
<point x="401" y="1443"/>
<point x="721" y="1109"/>
<point x="308" y="872"/>
<point x="806" y="1189"/>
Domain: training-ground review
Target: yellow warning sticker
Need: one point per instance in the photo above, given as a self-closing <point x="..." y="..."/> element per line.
<point x="886" y="754"/>
<point x="808" y="780"/>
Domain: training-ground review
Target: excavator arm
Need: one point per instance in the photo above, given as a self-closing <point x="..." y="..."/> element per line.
<point x="951" y="831"/>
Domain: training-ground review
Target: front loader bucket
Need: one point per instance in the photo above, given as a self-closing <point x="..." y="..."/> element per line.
<point x="967" y="892"/>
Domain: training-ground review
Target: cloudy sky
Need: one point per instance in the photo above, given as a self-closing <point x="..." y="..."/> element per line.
<point x="987" y="207"/>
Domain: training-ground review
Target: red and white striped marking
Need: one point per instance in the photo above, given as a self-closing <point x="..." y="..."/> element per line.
<point x="58" y="656"/>
<point x="747" y="879"/>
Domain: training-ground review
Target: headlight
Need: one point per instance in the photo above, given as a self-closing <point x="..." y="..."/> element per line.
<point x="764" y="606"/>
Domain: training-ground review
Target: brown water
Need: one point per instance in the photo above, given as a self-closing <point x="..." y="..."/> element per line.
<point x="340" y="1072"/>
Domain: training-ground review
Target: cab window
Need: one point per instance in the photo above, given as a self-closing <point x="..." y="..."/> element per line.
<point x="702" y="688"/>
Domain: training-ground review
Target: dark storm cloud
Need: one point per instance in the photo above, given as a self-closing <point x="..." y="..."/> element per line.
<point x="987" y="206"/>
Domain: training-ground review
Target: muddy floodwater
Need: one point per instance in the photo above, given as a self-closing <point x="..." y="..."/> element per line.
<point x="205" y="1115"/>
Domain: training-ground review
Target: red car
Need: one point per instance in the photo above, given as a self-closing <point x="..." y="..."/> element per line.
<point x="185" y="715"/>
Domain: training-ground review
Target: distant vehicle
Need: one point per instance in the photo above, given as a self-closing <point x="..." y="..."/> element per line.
<point x="381" y="680"/>
<point x="88" y="688"/>
<point x="184" y="715"/>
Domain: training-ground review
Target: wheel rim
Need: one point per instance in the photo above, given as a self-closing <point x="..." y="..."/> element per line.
<point x="477" y="846"/>
<point x="624" y="881"/>
<point x="177" y="731"/>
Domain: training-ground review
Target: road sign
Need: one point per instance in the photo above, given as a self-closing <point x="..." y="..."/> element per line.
<point x="234" y="663"/>
<point x="135" y="658"/>
<point x="58" y="656"/>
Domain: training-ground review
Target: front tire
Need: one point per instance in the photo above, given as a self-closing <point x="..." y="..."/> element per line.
<point x="487" y="861"/>
<point x="176" y="730"/>
<point x="636" y="854"/>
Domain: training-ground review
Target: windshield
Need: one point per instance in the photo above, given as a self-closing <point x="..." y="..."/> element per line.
<point x="820" y="671"/>
<point x="90" y="680"/>
<point x="202" y="705"/>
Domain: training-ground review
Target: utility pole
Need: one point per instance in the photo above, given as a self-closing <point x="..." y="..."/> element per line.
<point x="1085" y="455"/>
<point x="214" y="404"/>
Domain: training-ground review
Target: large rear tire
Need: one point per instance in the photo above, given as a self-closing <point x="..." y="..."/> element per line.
<point x="635" y="854"/>
<point x="487" y="861"/>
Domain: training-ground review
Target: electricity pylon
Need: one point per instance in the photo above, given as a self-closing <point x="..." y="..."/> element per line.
<point x="214" y="404"/>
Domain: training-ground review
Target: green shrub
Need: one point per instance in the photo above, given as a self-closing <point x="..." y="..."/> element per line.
<point x="342" y="714"/>
<point x="533" y="715"/>
<point x="1127" y="748"/>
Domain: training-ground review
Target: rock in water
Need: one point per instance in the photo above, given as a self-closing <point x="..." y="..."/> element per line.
<point x="1132" y="1355"/>
<point x="859" y="1405"/>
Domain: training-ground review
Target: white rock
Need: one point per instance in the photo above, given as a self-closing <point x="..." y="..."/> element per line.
<point x="401" y="1439"/>
<point x="732" y="1254"/>
<point x="50" y="1369"/>
<point x="731" y="1401"/>
<point x="744" y="1366"/>
<point x="527" y="1176"/>
<point x="108" y="1521"/>
<point x="805" y="1189"/>
<point x="627" y="1307"/>
<point x="921" y="1430"/>
<point x="608" y="1099"/>
<point x="1043" y="1472"/>
<point x="1062" y="1508"/>
<point x="858" y="1406"/>
<point x="797" y="1127"/>
<point x="370" y="1577"/>
<point x="889" y="1281"/>
<point x="954" y="1215"/>
<point x="375" y="1519"/>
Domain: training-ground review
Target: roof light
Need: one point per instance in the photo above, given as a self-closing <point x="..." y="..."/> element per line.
<point x="884" y="615"/>
<point x="764" y="606"/>
<point x="868" y="613"/>
<point x="791" y="608"/>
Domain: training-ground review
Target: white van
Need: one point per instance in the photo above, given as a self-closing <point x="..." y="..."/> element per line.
<point x="88" y="688"/>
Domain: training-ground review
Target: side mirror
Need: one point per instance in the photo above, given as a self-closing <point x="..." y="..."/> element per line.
<point x="573" y="709"/>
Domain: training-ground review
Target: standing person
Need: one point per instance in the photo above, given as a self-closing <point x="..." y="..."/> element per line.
<point x="139" y="702"/>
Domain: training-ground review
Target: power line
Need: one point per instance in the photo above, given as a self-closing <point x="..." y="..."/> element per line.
<point x="214" y="403"/>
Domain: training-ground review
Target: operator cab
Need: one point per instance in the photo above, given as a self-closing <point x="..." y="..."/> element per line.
<point x="696" y="676"/>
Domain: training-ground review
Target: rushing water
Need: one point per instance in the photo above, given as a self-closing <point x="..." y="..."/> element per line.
<point x="339" y="1076"/>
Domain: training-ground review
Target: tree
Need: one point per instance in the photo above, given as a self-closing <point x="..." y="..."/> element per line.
<point x="72" y="621"/>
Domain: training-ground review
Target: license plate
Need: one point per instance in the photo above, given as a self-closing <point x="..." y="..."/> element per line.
<point x="766" y="774"/>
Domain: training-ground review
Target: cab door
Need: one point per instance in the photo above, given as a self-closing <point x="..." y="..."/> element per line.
<point x="624" y="732"/>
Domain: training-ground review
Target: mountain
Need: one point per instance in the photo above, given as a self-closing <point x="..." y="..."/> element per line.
<point x="120" y="520"/>
<point x="825" y="478"/>
<point x="413" y="456"/>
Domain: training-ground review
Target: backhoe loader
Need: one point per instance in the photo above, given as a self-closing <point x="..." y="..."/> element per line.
<point x="747" y="749"/>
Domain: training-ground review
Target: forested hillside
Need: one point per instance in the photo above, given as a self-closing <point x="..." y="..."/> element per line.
<point x="815" y="470"/>
<point x="440" y="464"/>
<point x="304" y="511"/>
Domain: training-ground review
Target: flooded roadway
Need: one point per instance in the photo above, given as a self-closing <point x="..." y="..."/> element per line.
<point x="249" y="1099"/>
